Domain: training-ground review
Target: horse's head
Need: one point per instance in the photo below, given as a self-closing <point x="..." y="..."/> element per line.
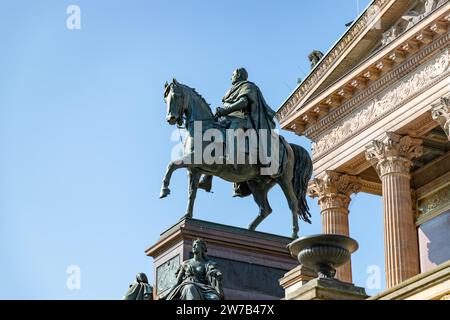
<point x="185" y="105"/>
<point x="174" y="98"/>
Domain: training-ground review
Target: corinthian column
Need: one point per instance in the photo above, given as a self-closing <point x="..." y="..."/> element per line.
<point x="334" y="190"/>
<point x="441" y="114"/>
<point x="392" y="161"/>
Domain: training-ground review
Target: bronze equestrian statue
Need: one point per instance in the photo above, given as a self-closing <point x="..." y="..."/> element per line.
<point x="245" y="113"/>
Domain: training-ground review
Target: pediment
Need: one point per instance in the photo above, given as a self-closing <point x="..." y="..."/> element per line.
<point x="380" y="24"/>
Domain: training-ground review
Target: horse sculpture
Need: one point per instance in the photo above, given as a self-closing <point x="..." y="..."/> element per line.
<point x="184" y="107"/>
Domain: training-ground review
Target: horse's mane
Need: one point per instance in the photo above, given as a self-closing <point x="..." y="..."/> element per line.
<point x="198" y="95"/>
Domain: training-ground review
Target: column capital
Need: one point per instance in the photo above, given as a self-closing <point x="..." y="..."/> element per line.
<point x="441" y="114"/>
<point x="334" y="189"/>
<point x="394" y="155"/>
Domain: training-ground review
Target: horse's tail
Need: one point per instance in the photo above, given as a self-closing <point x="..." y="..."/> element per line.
<point x="302" y="174"/>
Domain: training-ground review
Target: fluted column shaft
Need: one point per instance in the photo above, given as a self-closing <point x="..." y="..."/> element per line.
<point x="392" y="160"/>
<point x="333" y="191"/>
<point x="334" y="211"/>
<point x="400" y="237"/>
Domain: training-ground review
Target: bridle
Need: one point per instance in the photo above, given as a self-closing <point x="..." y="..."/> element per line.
<point x="180" y="114"/>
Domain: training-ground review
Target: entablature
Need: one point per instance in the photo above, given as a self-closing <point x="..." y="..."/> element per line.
<point x="371" y="76"/>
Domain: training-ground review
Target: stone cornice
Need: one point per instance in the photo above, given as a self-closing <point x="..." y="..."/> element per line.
<point x="364" y="96"/>
<point x="323" y="66"/>
<point x="434" y="204"/>
<point x="414" y="288"/>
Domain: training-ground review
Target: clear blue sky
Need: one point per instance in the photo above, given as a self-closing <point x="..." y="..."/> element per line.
<point x="84" y="144"/>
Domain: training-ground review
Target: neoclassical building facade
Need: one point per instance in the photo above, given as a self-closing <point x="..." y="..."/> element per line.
<point x="377" y="110"/>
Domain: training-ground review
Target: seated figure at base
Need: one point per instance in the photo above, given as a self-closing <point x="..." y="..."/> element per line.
<point x="197" y="278"/>
<point x="140" y="289"/>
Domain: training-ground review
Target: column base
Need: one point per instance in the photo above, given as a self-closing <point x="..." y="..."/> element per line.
<point x="327" y="289"/>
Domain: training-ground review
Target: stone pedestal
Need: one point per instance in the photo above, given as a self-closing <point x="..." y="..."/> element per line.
<point x="327" y="289"/>
<point x="251" y="262"/>
<point x="295" y="279"/>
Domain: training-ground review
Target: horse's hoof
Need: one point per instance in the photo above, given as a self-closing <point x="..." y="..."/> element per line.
<point x="164" y="193"/>
<point x="294" y="235"/>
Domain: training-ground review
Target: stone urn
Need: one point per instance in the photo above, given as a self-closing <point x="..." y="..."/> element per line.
<point x="323" y="253"/>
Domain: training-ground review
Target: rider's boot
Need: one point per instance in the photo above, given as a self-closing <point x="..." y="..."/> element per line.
<point x="241" y="190"/>
<point x="205" y="183"/>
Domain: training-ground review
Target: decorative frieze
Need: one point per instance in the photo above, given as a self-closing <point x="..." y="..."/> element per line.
<point x="388" y="101"/>
<point x="441" y="114"/>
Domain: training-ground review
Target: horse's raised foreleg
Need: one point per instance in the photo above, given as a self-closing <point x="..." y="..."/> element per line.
<point x="259" y="192"/>
<point x="194" y="178"/>
<point x="173" y="166"/>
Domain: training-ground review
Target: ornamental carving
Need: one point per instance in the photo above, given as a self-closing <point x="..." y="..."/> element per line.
<point x="165" y="274"/>
<point x="441" y="114"/>
<point x="384" y="103"/>
<point x="435" y="202"/>
<point x="394" y="155"/>
<point x="334" y="189"/>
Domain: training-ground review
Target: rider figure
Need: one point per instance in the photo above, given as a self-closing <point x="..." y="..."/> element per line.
<point x="235" y="107"/>
<point x="245" y="108"/>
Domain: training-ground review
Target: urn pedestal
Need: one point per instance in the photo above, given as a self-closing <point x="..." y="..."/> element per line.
<point x="319" y="256"/>
<point x="251" y="262"/>
<point x="327" y="289"/>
